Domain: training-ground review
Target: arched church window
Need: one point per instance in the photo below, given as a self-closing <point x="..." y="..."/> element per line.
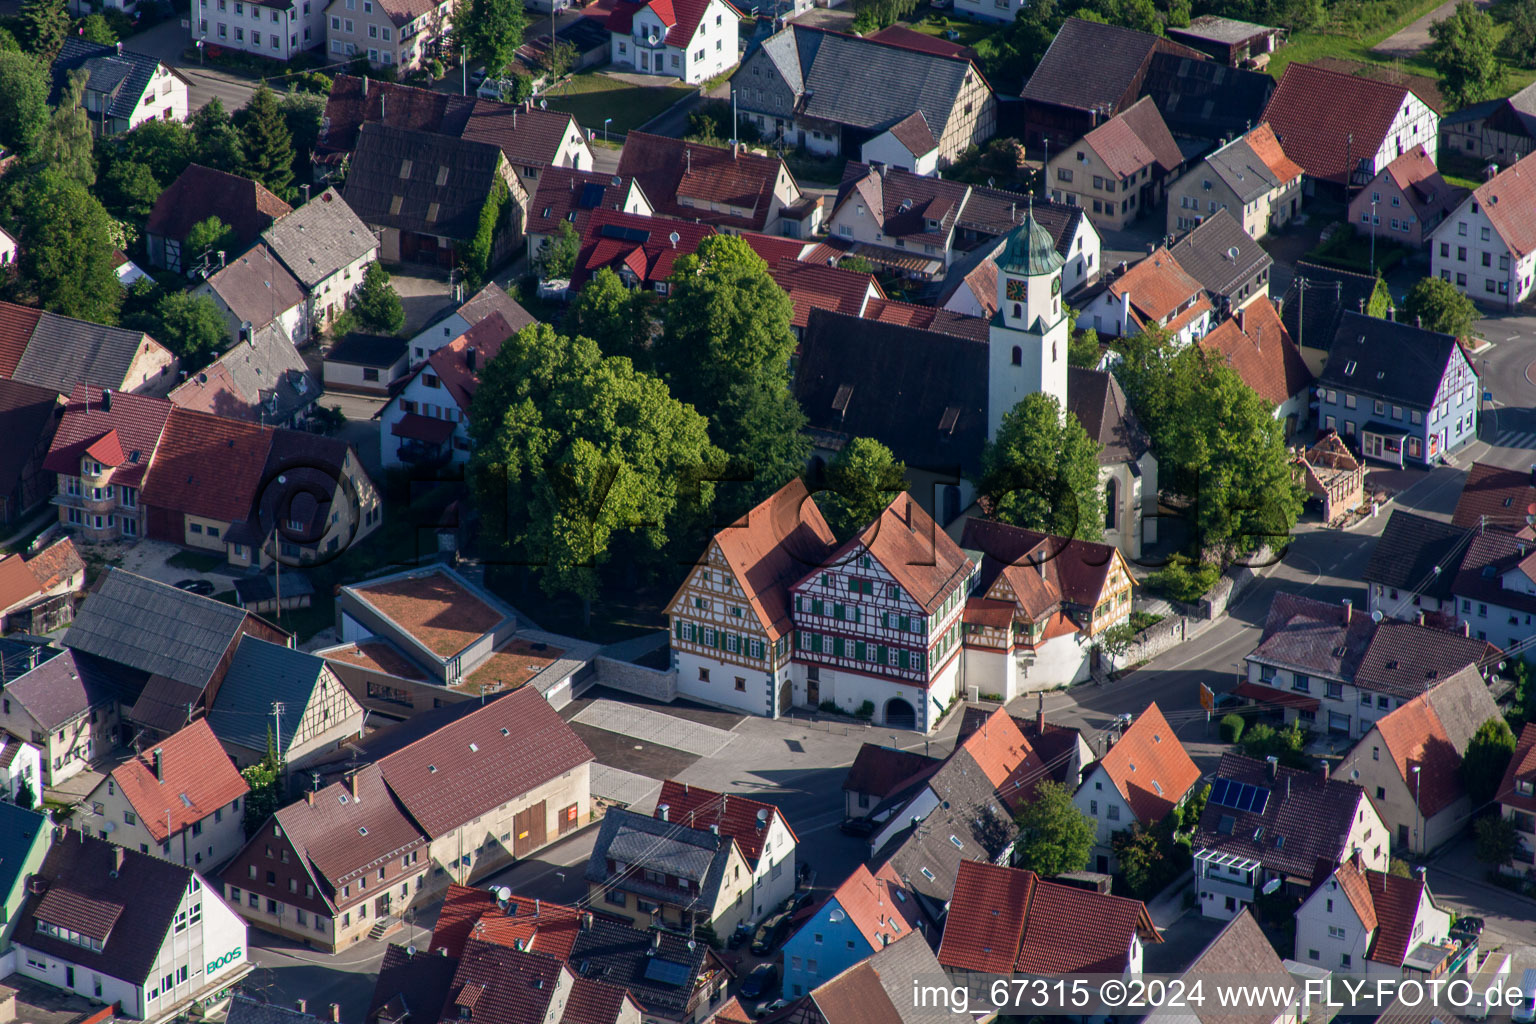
<point x="1111" y="503"/>
<point x="1018" y="312"/>
<point x="1018" y="356"/>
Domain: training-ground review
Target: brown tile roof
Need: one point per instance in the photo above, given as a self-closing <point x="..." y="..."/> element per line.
<point x="736" y="816"/>
<point x="1357" y="891"/>
<point x="1522" y="769"/>
<point x="1004" y="920"/>
<point x="910" y="39"/>
<point x="1404" y="659"/>
<point x="770" y="548"/>
<point x="1266" y="146"/>
<point x="1136" y="138"/>
<point x="881" y="771"/>
<point x="817" y="286"/>
<point x="913" y="207"/>
<point x="16" y="326"/>
<point x="452" y="360"/>
<point x="643" y="244"/>
<point x="529" y="137"/>
<point x="928" y="318"/>
<point x="1255" y="344"/>
<point x="199" y="192"/>
<point x="511" y="745"/>
<point x="1396" y="903"/>
<point x="1075" y="570"/>
<point x="541" y="926"/>
<point x="1509" y="201"/>
<point x="434" y="608"/>
<point x="1158" y="287"/>
<point x="1241" y="948"/>
<point x="257" y="287"/>
<point x="491" y="299"/>
<point x="909" y="545"/>
<point x="56" y="563"/>
<point x="206" y="465"/>
<point x="1099" y="403"/>
<point x="682" y="178"/>
<point x="137" y="420"/>
<point x="1498" y="495"/>
<point x="497" y="984"/>
<point x="28" y="419"/>
<point x="354" y="101"/>
<point x="197" y="778"/>
<point x="855" y="997"/>
<point x="1314" y="111"/>
<point x="564" y="194"/>
<point x="1415" y="175"/>
<point x="1150" y="767"/>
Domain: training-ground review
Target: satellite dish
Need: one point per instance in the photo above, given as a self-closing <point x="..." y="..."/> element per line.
<point x="692" y="945"/>
<point x="110" y="826"/>
<point x="410" y="950"/>
<point x="674" y="238"/>
<point x="503" y="893"/>
<point x="1271" y="886"/>
<point x="617" y="181"/>
<point x="543" y="104"/>
<point x="1376" y="615"/>
<point x="837" y="915"/>
<point x="651" y="38"/>
<point x="1232" y="254"/>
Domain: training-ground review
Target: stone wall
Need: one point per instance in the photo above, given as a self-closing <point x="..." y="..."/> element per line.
<point x="1233" y="584"/>
<point x="657" y="684"/>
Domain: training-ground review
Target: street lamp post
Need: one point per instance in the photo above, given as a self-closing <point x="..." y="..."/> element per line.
<point x="605" y="128"/>
<point x="1373" y="236"/>
<point x="1417" y="814"/>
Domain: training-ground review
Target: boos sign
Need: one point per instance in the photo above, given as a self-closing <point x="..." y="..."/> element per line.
<point x="226" y="959"/>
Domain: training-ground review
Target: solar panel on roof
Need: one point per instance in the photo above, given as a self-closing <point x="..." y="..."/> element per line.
<point x="624" y="234"/>
<point x="1218" y="794"/>
<point x="1239" y="796"/>
<point x="591" y="196"/>
<point x="666" y="972"/>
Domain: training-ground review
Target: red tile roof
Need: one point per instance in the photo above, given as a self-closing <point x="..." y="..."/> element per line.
<point x="138" y="420"/>
<point x="1314" y="112"/>
<point x="1418" y="179"/>
<point x="1416" y="738"/>
<point x="1150" y="767"/>
<point x="998" y="747"/>
<point x="1522" y="769"/>
<point x="16" y="326"/>
<point x="880" y="771"/>
<point x="1396" y="902"/>
<point x="207" y="465"/>
<point x="17" y="583"/>
<point x="56" y="563"/>
<point x="355" y="101"/>
<point x="909" y="545"/>
<point x="1255" y="344"/>
<point x="1509" y="200"/>
<point x="816" y="286"/>
<point x="1158" y="286"/>
<point x="199" y="192"/>
<point x="197" y="778"/>
<point x="684" y="178"/>
<point x="1267" y="148"/>
<point x="680" y="16"/>
<point x="541" y="926"/>
<point x="737" y="816"/>
<point x="1357" y="891"/>
<point x="1134" y="139"/>
<point x="910" y="39"/>
<point x="565" y="194"/>
<point x="871" y="903"/>
<point x="452" y="360"/>
<point x="614" y="239"/>
<point x="1003" y="920"/>
<point x="927" y="318"/>
<point x="1504" y="496"/>
<point x="770" y="547"/>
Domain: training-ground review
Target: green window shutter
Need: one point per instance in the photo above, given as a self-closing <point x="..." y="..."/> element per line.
<point x="855" y="613"/>
<point x="797" y="603"/>
<point x="837" y="646"/>
<point x="797" y="641"/>
<point x="902" y="658"/>
<point x="880" y="654"/>
<point x="816" y="606"/>
<point x="679" y="629"/>
<point x="906" y="622"/>
<point x="859" y="650"/>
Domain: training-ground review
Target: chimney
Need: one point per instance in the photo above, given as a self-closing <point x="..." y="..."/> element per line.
<point x="688" y="155"/>
<point x="469" y="358"/>
<point x="656" y="940"/>
<point x="159" y="757"/>
<point x="714" y="828"/>
<point x="119" y="49"/>
<point x="309" y="797"/>
<point x="1240" y="318"/>
<point x="365" y="85"/>
<point x="118" y="855"/>
<point x="1040" y="712"/>
<point x="1040" y="567"/>
<point x="536" y="905"/>
<point x="352" y="785"/>
<point x="1533" y="474"/>
<point x="335" y="1013"/>
<point x="1325" y="771"/>
<point x="1466" y="629"/>
<point x="106" y="399"/>
<point x="301" y="1006"/>
<point x="1421" y="618"/>
<point x="663" y="811"/>
<point x="1125" y="312"/>
<point x="1349" y="610"/>
<point x="586" y="921"/>
<point x="1274" y="765"/>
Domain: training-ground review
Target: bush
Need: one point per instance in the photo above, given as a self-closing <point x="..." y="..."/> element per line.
<point x="830" y="707"/>
<point x="1232" y="728"/>
<point x="866" y="710"/>
<point x="1184" y="580"/>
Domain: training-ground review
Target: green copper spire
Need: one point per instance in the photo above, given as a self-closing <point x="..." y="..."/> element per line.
<point x="1029" y="250"/>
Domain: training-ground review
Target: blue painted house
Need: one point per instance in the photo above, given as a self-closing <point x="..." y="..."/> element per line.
<point x="867" y="913"/>
<point x="1397" y="393"/>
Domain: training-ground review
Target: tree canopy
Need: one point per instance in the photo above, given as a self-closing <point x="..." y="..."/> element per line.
<point x="1464" y="51"/>
<point x="1436" y="305"/>
<point x="492" y="30"/>
<point x="41" y="27"/>
<point x="1042" y="471"/>
<point x="65" y="145"/>
<point x="556" y="258"/>
<point x="23" y="101"/>
<point x="1054" y="836"/>
<point x="377" y="304"/>
<point x="619" y="319"/>
<point x="266" y="143"/>
<point x="861" y="481"/>
<point x="191" y="326"/>
<point x="577" y="454"/>
<point x="67" y="242"/>
<point x="1486" y="757"/>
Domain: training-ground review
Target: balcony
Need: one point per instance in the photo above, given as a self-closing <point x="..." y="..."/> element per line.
<point x="101" y="506"/>
<point x="424" y="455"/>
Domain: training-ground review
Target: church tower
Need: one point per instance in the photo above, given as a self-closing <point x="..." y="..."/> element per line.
<point x="1030" y="330"/>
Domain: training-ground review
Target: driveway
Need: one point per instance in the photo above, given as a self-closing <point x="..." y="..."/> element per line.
<point x="152" y="560"/>
<point x="168" y="41"/>
<point x="1410" y="41"/>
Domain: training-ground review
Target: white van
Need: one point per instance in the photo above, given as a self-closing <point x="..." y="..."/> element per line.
<point x="1525" y="1013"/>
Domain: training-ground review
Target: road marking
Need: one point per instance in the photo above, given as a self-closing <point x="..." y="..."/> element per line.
<point x="1516" y="439"/>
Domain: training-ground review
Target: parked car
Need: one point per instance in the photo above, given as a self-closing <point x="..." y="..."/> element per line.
<point x="762" y="982"/>
<point x="794" y="901"/>
<point x="202" y="587"/>
<point x="769" y="934"/>
<point x="773" y="1007"/>
<point x="1467" y="928"/>
<point x="860" y="827"/>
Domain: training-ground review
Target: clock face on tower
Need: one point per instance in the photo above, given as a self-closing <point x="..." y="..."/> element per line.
<point x="1017" y="290"/>
<point x="1055" y="286"/>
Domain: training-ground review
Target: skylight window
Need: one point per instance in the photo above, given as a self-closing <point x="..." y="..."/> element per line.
<point x="927" y="874"/>
<point x="474" y="749"/>
<point x="958" y="844"/>
<point x="361" y="830"/>
<point x="341" y="798"/>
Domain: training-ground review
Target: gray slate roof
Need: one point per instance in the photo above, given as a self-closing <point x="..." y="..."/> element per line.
<point x="1244" y="172"/>
<point x="251" y="590"/>
<point x="154" y="628"/>
<point x="1409" y="549"/>
<point x="69" y="684"/>
<point x="245" y="1010"/>
<point x="65" y="352"/>
<point x="450" y="210"/>
<point x="1388" y="359"/>
<point x="1462" y="703"/>
<point x="261" y="673"/>
<point x="265" y="382"/>
<point x="865" y="84"/>
<point x="639" y="841"/>
<point x="1204" y="252"/>
<point x="123" y="76"/>
<point x="319" y="238"/>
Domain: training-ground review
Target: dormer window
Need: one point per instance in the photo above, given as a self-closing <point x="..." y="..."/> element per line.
<point x="1523" y="787"/>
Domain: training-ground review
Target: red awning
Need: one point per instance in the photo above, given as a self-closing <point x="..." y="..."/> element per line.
<point x="423" y="428"/>
<point x="1280" y="698"/>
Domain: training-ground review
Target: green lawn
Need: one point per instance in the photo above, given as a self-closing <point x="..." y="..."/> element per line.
<point x="968" y="33"/>
<point x="593" y="96"/>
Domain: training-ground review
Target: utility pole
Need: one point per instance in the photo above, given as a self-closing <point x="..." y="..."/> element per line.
<point x="277" y="716"/>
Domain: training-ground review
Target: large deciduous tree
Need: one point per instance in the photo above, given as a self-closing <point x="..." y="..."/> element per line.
<point x="1464" y="52"/>
<point x="1042" y="471"/>
<point x="1054" y="836"/>
<point x="23" y="101"/>
<point x="67" y="244"/>
<point x="619" y="319"/>
<point x="861" y="480"/>
<point x="65" y="144"/>
<point x="492" y="30"/>
<point x="1436" y="305"/>
<point x="1486" y="757"/>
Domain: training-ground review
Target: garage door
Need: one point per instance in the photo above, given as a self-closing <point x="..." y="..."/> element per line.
<point x="528" y="831"/>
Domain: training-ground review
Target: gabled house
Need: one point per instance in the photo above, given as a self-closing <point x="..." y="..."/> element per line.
<point x="1316" y="301"/>
<point x="879" y="773"/>
<point x="370" y="364"/>
<point x="401" y="35"/>
<point x="1405" y="201"/>
<point x="731" y="618"/>
<point x="38" y="586"/>
<point x="1254" y="342"/>
<point x="1372" y="923"/>
<point x="830" y="93"/>
<point x="1010" y="920"/>
<point x="123" y="88"/>
<point x="1234" y="43"/>
<point x="1413" y="566"/>
<point x="29" y="417"/>
<point x="356" y="100"/>
<point x="452" y="798"/>
<point x="426" y="420"/>
<point x="1062" y="747"/>
<point x="297" y="694"/>
<point x="641" y="250"/>
<point x="1240" y="949"/>
<point x="265" y="382"/>
<point x="327" y="248"/>
<point x="732" y="189"/>
<point x="1344" y="129"/>
<point x="493" y="981"/>
<point x="108" y="442"/>
<point x="261" y="302"/>
<point x="146" y="933"/>
<point x="1156" y="291"/>
<point x="462" y="314"/>
<point x="182" y="801"/>
<point x="24" y="837"/>
<point x="811" y="286"/>
<point x="1495" y="496"/>
<point x="424" y="194"/>
<point x="693" y="40"/>
<point x="1037" y="604"/>
<point x="245" y="206"/>
<point x="908" y="144"/>
<point x="68" y="705"/>
<point x="1137" y="783"/>
<point x="1339" y="670"/>
<point x="862" y="916"/>
<point x="1231" y="267"/>
<point x="1264" y="822"/>
<point x="1127" y="464"/>
<point x="879" y="988"/>
<point x="1487" y="245"/>
<point x="1495" y="587"/>
<point x="533" y="140"/>
<point x="1090" y="73"/>
<point x="654" y="872"/>
<point x="1120" y="169"/>
<point x="564" y="194"/>
<point x="1500" y="131"/>
<point x="21" y="768"/>
<point x="1517" y="802"/>
<point x="291" y="28"/>
<point x="767" y="842"/>
<point x="185" y="645"/>
<point x="59" y="353"/>
<point x="1410" y="762"/>
<point x="1402" y="394"/>
<point x="1250" y="177"/>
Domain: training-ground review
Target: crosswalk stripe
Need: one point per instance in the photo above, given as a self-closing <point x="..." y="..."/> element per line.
<point x="1512" y="439"/>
